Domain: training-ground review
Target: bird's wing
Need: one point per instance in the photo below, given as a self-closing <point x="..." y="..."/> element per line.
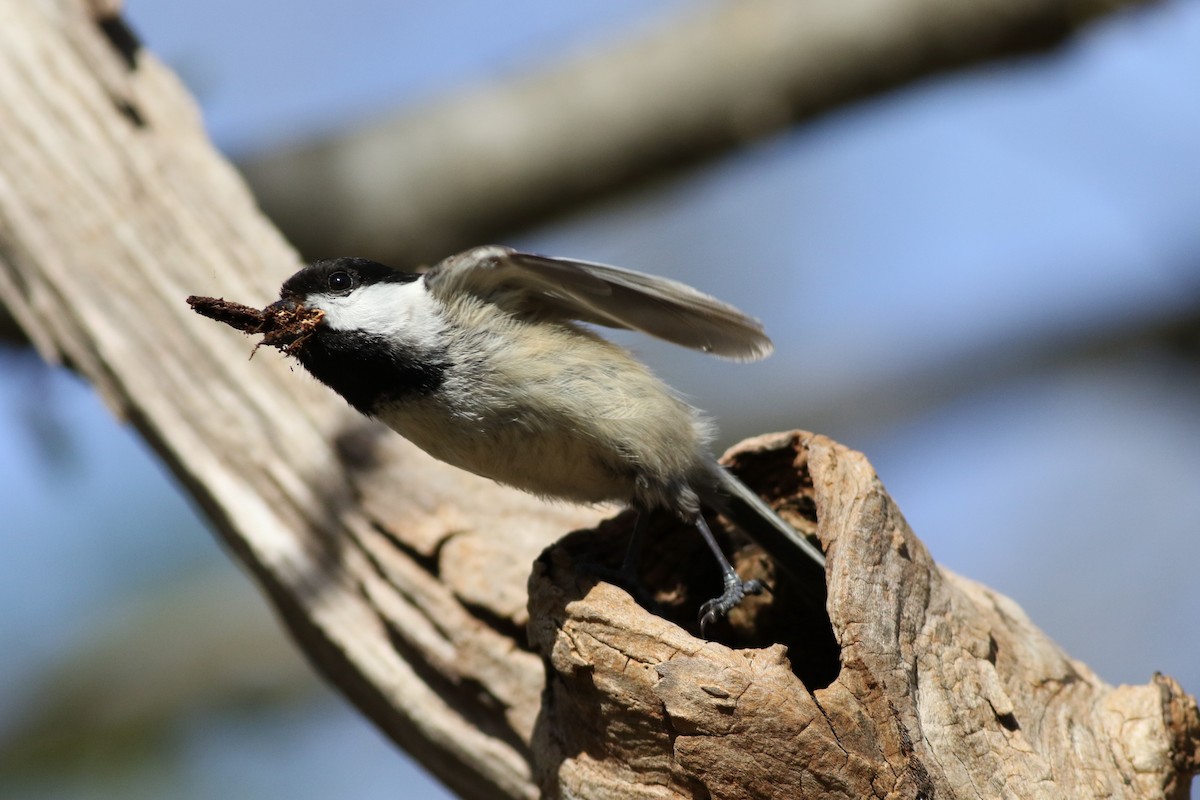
<point x="558" y="288"/>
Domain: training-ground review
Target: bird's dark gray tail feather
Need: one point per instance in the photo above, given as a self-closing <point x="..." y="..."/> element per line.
<point x="786" y="546"/>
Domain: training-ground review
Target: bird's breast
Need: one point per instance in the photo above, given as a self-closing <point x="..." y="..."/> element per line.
<point x="560" y="414"/>
<point x="518" y="449"/>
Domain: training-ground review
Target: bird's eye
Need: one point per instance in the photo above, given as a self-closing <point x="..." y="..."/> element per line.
<point x="340" y="281"/>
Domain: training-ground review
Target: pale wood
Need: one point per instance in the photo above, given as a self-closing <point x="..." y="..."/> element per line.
<point x="940" y="687"/>
<point x="402" y="579"/>
<point x="113" y="208"/>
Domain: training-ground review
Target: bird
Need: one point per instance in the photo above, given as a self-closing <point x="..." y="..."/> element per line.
<point x="488" y="362"/>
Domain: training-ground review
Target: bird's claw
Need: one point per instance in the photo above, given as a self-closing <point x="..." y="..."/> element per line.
<point x="735" y="591"/>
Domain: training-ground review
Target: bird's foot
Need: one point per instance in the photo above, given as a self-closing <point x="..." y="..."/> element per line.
<point x="735" y="591"/>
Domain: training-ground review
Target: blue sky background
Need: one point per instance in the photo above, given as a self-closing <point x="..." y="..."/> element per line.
<point x="916" y="257"/>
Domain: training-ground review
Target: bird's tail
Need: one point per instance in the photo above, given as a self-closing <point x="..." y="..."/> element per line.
<point x="788" y="548"/>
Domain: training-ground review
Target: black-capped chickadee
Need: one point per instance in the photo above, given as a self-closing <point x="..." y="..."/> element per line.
<point x="481" y="363"/>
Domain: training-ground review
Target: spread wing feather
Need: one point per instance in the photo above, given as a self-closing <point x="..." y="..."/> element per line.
<point x="596" y="293"/>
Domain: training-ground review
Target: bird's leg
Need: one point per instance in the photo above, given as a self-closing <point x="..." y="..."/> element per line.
<point x="735" y="588"/>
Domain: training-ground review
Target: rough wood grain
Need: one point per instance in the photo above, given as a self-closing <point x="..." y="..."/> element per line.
<point x="939" y="687"/>
<point x="113" y="209"/>
<point x="404" y="580"/>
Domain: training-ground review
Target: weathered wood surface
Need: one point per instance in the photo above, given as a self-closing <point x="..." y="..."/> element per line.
<point x="405" y="581"/>
<point x="936" y="686"/>
<point x="402" y="579"/>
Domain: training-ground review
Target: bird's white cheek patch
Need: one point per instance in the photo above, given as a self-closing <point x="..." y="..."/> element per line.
<point x="403" y="312"/>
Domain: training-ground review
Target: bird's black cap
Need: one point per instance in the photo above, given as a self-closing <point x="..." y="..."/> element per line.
<point x="350" y="273"/>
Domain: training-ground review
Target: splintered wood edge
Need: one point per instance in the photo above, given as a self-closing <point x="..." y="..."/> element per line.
<point x="944" y="685"/>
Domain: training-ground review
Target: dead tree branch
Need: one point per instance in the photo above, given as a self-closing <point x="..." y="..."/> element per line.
<point x="404" y="580"/>
<point x="933" y="686"/>
<point x="401" y="578"/>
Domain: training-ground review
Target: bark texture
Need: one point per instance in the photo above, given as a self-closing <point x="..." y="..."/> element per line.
<point x="401" y="578"/>
<point x="932" y="685"/>
<point x="405" y="580"/>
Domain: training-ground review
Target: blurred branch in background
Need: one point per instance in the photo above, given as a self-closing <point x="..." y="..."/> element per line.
<point x="1007" y="360"/>
<point x="463" y="171"/>
<point x="437" y="179"/>
<point x="152" y="662"/>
